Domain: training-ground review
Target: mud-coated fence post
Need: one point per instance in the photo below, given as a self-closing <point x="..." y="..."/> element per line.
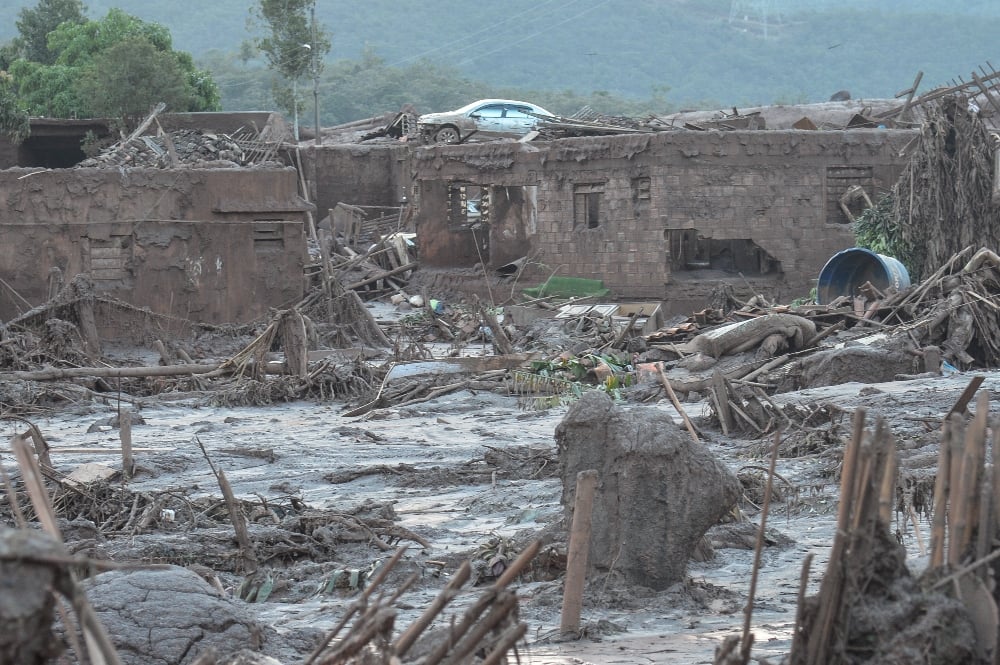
<point x="579" y="548"/>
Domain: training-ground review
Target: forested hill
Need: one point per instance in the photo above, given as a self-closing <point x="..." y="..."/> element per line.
<point x="719" y="52"/>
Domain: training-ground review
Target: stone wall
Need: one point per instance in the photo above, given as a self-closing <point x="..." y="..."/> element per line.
<point x="761" y="205"/>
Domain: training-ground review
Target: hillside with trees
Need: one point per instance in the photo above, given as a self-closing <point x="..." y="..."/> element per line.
<point x="619" y="56"/>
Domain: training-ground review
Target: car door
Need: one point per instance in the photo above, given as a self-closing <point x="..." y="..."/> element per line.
<point x="488" y="118"/>
<point x="517" y="120"/>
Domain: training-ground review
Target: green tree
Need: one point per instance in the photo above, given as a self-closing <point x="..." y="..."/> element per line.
<point x="14" y="120"/>
<point x="293" y="44"/>
<point x="35" y="25"/>
<point x="119" y="66"/>
<point x="49" y="90"/>
<point x="128" y="79"/>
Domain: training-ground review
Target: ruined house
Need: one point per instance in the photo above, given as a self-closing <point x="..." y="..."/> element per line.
<point x="208" y="244"/>
<point x="663" y="216"/>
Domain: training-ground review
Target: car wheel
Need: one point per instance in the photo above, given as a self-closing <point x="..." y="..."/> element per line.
<point x="447" y="134"/>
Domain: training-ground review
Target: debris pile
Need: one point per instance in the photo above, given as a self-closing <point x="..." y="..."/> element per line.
<point x="188" y="147"/>
<point x="276" y="541"/>
<point x="869" y="608"/>
<point x="945" y="199"/>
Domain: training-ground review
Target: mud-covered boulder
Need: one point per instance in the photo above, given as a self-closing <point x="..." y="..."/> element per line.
<point x="861" y="364"/>
<point x="26" y="601"/>
<point x="168" y="616"/>
<point x="658" y="491"/>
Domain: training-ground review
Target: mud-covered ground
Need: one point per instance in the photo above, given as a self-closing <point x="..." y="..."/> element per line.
<point x="465" y="476"/>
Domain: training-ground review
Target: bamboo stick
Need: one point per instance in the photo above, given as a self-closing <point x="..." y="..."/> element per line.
<point x="356" y="605"/>
<point x="747" y="640"/>
<point x="984" y="530"/>
<point x="831" y="587"/>
<point x="410" y="635"/>
<point x="508" y="639"/>
<point x="942" y="484"/>
<point x="798" y="634"/>
<point x="502" y="607"/>
<point x="887" y="490"/>
<point x="955" y="509"/>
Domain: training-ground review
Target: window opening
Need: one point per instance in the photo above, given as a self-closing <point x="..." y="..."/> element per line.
<point x="468" y="206"/>
<point x="587" y="205"/>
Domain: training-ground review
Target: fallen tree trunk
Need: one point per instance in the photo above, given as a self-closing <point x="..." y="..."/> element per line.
<point x="53" y="373"/>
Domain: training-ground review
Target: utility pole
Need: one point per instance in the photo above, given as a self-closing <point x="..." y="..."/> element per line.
<point x="295" y="109"/>
<point x="315" y="73"/>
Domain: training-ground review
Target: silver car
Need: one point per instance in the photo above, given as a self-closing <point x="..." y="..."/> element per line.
<point x="487" y="117"/>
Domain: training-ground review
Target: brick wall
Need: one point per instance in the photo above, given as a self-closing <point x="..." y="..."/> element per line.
<point x="772" y="188"/>
<point x="370" y="175"/>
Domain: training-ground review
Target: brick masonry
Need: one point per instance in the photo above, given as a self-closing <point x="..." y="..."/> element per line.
<point x="773" y="188"/>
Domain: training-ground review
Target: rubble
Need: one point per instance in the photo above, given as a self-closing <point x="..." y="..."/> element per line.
<point x="404" y="356"/>
<point x="189" y="148"/>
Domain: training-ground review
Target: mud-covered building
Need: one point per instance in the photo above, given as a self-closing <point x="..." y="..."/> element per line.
<point x="664" y="216"/>
<point x="217" y="245"/>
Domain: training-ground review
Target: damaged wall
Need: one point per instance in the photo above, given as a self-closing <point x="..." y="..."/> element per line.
<point x="370" y="175"/>
<point x="662" y="216"/>
<point x="212" y="245"/>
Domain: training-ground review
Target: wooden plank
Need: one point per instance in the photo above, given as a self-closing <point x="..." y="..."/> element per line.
<point x="966" y="396"/>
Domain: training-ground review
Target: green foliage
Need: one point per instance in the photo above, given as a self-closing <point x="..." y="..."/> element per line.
<point x="293" y="44"/>
<point x="128" y="79"/>
<point x="564" y="380"/>
<point x="35" y="25"/>
<point x="635" y="58"/>
<point x="78" y="44"/>
<point x="878" y="229"/>
<point x="13" y="119"/>
<point x="49" y="90"/>
<point x="118" y="67"/>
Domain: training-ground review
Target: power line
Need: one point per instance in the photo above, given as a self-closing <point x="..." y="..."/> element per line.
<point x="534" y="34"/>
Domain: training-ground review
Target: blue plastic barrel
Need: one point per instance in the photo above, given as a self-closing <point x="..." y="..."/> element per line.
<point x="850" y="268"/>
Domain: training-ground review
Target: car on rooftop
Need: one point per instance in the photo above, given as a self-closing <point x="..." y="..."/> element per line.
<point x="486" y="117"/>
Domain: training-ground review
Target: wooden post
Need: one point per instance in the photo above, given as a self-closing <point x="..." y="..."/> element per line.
<point x="88" y="327"/>
<point x="125" y="433"/>
<point x="579" y="548"/>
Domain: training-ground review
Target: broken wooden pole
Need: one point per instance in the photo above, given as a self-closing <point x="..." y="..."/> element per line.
<point x="721" y="394"/>
<point x="383" y="275"/>
<point x="579" y="548"/>
<point x="162" y="350"/>
<point x="499" y="336"/>
<point x="677" y="404"/>
<point x="295" y="342"/>
<point x="967" y="395"/>
<point x="88" y="327"/>
<point x="941" y="489"/>
<point x="125" y="434"/>
<point x="248" y="558"/>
